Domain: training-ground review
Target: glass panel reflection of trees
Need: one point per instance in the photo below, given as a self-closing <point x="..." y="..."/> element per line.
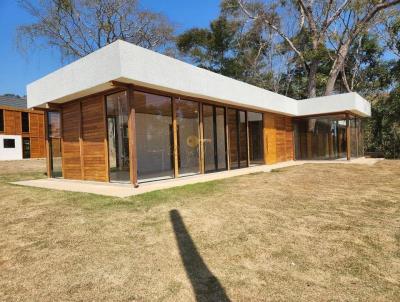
<point x="256" y="145"/>
<point x="237" y="138"/>
<point x="187" y="118"/>
<point x="214" y="138"/>
<point x="118" y="141"/>
<point x="154" y="138"/>
<point x="325" y="137"/>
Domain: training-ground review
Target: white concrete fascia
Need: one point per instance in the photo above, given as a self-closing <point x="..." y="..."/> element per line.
<point x="128" y="63"/>
<point x="351" y="102"/>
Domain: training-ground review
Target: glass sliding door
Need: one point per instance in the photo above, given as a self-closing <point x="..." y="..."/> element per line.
<point x="154" y="136"/>
<point x="54" y="140"/>
<point x="233" y="123"/>
<point x="256" y="146"/>
<point x="237" y="123"/>
<point x="243" y="139"/>
<point x="187" y="118"/>
<point x="118" y="142"/>
<point x="214" y="138"/>
<point x="220" y="138"/>
<point x="210" y="162"/>
<point x="320" y="137"/>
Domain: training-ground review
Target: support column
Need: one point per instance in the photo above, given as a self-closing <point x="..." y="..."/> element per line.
<point x="175" y="138"/>
<point x="47" y="142"/>
<point x="228" y="156"/>
<point x="132" y="139"/>
<point x="247" y="139"/>
<point x="348" y="138"/>
<point x="201" y="139"/>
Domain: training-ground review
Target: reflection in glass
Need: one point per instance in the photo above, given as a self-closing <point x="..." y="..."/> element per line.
<point x="214" y="138"/>
<point x="242" y="139"/>
<point x="320" y="137"/>
<point x="154" y="140"/>
<point x="54" y="138"/>
<point x="118" y="141"/>
<point x="220" y="138"/>
<point x="187" y="118"/>
<point x="256" y="138"/>
<point x="237" y="138"/>
<point x="233" y="138"/>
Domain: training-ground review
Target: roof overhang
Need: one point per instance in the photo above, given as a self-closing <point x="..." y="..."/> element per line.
<point x="127" y="63"/>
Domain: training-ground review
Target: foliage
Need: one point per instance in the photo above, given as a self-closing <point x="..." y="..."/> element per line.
<point x="383" y="129"/>
<point x="79" y="27"/>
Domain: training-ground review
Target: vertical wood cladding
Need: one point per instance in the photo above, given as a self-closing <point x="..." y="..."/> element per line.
<point x="278" y="138"/>
<point x="37" y="135"/>
<point x="71" y="155"/>
<point x="93" y="138"/>
<point x="84" y="134"/>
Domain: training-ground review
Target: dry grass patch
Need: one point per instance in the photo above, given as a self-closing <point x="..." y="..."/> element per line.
<point x="313" y="232"/>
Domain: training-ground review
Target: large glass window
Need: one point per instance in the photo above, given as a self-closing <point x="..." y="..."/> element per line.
<point x="25" y="121"/>
<point x="154" y="138"/>
<point x="1" y="120"/>
<point x="54" y="139"/>
<point x="233" y="138"/>
<point x="256" y="145"/>
<point x="320" y="137"/>
<point x="118" y="140"/>
<point x="237" y="124"/>
<point x="243" y="139"/>
<point x="214" y="138"/>
<point x="187" y="118"/>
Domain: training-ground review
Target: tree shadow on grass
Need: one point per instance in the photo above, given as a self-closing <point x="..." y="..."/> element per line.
<point x="205" y="285"/>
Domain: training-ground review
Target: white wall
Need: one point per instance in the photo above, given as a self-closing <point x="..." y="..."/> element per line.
<point x="11" y="154"/>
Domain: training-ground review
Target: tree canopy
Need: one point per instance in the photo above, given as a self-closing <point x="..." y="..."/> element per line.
<point x="79" y="27"/>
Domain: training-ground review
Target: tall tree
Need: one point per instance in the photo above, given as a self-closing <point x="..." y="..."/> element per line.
<point x="78" y="27"/>
<point x="331" y="24"/>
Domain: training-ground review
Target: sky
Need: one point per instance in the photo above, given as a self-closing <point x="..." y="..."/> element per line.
<point x="18" y="70"/>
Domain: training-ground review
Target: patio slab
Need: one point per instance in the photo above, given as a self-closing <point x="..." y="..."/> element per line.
<point x="126" y="190"/>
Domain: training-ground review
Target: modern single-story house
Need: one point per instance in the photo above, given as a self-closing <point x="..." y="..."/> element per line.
<point x="22" y="133"/>
<point x="128" y="114"/>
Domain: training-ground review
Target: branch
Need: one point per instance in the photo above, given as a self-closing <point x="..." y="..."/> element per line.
<point x="275" y="28"/>
<point x="329" y="21"/>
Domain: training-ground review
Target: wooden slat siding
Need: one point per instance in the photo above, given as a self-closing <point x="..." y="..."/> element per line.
<point x="37" y="135"/>
<point x="270" y="138"/>
<point x="70" y="141"/>
<point x="278" y="138"/>
<point x="17" y="122"/>
<point x="93" y="134"/>
<point x="289" y="143"/>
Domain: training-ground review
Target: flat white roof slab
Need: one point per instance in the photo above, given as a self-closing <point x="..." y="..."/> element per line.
<point x="128" y="63"/>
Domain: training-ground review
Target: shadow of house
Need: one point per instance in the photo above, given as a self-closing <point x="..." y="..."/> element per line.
<point x="205" y="285"/>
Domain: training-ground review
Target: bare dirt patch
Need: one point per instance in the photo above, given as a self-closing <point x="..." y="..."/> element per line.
<point x="307" y="233"/>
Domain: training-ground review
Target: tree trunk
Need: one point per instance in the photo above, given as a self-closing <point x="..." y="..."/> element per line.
<point x="312" y="79"/>
<point x="337" y="67"/>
